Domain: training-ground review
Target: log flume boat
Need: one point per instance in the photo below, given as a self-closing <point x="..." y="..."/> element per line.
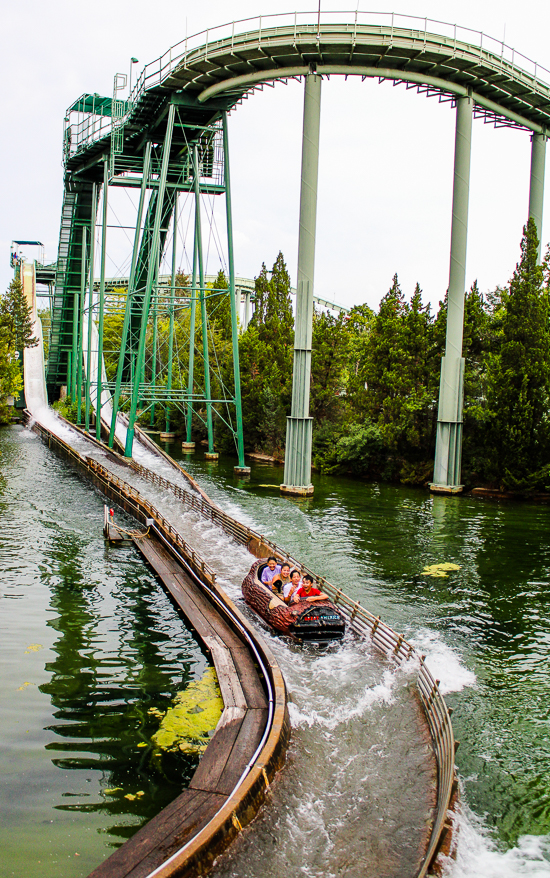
<point x="316" y="623"/>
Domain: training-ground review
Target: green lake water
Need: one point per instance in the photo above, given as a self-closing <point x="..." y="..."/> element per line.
<point x="485" y="628"/>
<point x="88" y="644"/>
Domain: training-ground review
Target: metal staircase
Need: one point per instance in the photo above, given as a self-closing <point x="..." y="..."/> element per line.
<point x="76" y="214"/>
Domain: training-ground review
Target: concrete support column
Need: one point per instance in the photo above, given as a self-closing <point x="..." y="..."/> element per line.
<point x="297" y="475"/>
<point x="448" y="450"/>
<point x="536" y="185"/>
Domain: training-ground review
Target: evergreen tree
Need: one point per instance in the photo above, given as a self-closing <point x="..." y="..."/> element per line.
<point x="261" y="295"/>
<point x="519" y="375"/>
<point x="358" y="326"/>
<point x="218" y="307"/>
<point x="418" y="385"/>
<point x="11" y="379"/>
<point x="329" y="360"/>
<point x="15" y="335"/>
<point x="266" y="354"/>
<point x="384" y="368"/>
<point x="475" y="350"/>
<point x="15" y="317"/>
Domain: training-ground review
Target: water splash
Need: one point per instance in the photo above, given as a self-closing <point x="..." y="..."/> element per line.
<point x="477" y="855"/>
<point x="444" y="663"/>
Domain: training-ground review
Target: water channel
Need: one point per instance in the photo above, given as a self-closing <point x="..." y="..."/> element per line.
<point x="89" y="642"/>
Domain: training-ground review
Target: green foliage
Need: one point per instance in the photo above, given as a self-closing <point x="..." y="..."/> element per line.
<point x="11" y="380"/>
<point x="67" y="409"/>
<point x="15" y="317"/>
<point x="518" y="377"/>
<point x="329" y="361"/>
<point x="46" y="321"/>
<point x="359" y="452"/>
<point x="15" y="336"/>
<point x="395" y="381"/>
<point x="266" y="355"/>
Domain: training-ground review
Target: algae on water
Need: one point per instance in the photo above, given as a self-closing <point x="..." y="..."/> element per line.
<point x="190" y="723"/>
<point x="440" y="570"/>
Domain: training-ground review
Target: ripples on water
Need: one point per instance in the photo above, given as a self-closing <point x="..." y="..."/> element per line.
<point x="89" y="642"/>
<point x="352" y="798"/>
<point x="485" y="628"/>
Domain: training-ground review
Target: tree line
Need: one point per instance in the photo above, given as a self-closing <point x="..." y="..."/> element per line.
<point x="374" y="374"/>
<point x="375" y="380"/>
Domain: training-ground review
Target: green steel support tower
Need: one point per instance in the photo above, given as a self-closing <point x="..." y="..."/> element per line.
<point x="297" y="474"/>
<point x="241" y="469"/>
<point x="536" y="187"/>
<point x="189" y="445"/>
<point x="171" y="314"/>
<point x="90" y="309"/>
<point x="210" y="454"/>
<point x="151" y="279"/>
<point x="448" y="452"/>
<point x="131" y="288"/>
<point x="81" y="324"/>
<point x="101" y="300"/>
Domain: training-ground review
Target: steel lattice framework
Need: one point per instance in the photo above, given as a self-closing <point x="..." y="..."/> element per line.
<point x="170" y="136"/>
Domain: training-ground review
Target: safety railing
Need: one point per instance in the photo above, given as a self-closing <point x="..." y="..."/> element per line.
<point x="249" y="790"/>
<point x="358" y="25"/>
<point x="353" y="22"/>
<point x="364" y="623"/>
<point x="199" y="566"/>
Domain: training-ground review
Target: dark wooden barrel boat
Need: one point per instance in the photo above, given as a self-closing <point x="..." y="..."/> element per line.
<point x="303" y="621"/>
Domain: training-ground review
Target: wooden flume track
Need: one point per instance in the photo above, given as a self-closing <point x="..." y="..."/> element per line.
<point x="249" y="745"/>
<point x="190" y="833"/>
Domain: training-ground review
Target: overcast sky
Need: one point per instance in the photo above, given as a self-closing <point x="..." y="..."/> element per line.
<point x="386" y="158"/>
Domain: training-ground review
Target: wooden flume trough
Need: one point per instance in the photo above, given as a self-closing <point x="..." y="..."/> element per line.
<point x="249" y="745"/>
<point x="198" y="853"/>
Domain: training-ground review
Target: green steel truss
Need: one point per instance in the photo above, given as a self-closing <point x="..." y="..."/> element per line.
<point x="180" y="146"/>
<point x="77" y="221"/>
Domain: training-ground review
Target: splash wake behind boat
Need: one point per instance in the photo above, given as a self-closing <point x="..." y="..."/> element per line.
<point x="304" y="621"/>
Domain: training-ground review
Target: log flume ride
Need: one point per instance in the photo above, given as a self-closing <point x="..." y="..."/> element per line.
<point x="176" y="842"/>
<point x="315" y="623"/>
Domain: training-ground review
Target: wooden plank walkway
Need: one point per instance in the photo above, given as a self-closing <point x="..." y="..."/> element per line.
<point x="232" y="746"/>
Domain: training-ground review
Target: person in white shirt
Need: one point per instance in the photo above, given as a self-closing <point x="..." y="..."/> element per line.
<point x="292" y="587"/>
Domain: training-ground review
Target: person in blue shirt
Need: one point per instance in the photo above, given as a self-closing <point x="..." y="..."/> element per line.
<point x="271" y="571"/>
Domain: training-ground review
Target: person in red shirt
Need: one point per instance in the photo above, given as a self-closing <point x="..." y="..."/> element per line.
<point x="307" y="592"/>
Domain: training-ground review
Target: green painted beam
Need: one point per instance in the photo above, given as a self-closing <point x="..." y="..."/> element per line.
<point x="448" y="450"/>
<point x="297" y="473"/>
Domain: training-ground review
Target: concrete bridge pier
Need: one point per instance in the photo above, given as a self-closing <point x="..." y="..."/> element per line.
<point x="536" y="186"/>
<point x="448" y="449"/>
<point x="297" y="474"/>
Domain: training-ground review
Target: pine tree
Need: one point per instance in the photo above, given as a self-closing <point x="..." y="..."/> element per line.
<point x="266" y="354"/>
<point x="329" y="360"/>
<point x="261" y="293"/>
<point x="384" y="368"/>
<point x="15" y="316"/>
<point x="418" y="387"/>
<point x="519" y="374"/>
<point x="476" y="348"/>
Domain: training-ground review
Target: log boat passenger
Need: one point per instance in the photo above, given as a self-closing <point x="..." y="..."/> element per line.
<point x="278" y="582"/>
<point x="312" y="619"/>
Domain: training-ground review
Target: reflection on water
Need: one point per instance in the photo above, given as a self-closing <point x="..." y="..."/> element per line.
<point x="89" y="644"/>
<point x="486" y="626"/>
